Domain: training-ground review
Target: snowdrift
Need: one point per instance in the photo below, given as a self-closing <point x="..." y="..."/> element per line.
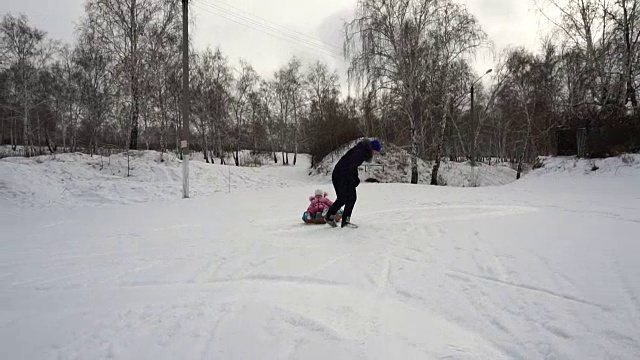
<point x="570" y="166"/>
<point x="81" y="179"/>
<point x="394" y="166"/>
<point x="592" y="181"/>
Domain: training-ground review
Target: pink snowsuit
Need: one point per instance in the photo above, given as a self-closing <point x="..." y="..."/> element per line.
<point x="319" y="204"/>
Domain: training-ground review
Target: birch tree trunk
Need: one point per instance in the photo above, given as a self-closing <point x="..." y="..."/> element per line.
<point x="443" y="127"/>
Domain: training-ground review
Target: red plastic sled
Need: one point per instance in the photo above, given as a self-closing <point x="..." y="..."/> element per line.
<point x="307" y="218"/>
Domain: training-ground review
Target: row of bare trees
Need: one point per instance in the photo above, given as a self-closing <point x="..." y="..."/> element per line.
<point x="103" y="88"/>
<point x="120" y="84"/>
<point x="411" y="62"/>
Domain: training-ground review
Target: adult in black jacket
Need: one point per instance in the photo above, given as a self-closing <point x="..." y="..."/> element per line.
<point x="345" y="178"/>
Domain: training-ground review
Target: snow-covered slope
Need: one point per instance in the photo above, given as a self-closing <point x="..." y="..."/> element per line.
<point x="572" y="167"/>
<point x="541" y="268"/>
<point x="568" y="182"/>
<point x="394" y="166"/>
<point x="80" y="179"/>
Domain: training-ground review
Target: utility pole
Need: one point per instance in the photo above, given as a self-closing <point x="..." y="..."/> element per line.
<point x="184" y="144"/>
<point x="473" y="131"/>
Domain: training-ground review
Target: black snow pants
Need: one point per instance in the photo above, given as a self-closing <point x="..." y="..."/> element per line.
<point x="346" y="195"/>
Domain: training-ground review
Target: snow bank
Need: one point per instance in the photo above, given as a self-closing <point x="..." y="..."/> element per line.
<point x="394" y="166"/>
<point x="7" y="151"/>
<point x="555" y="171"/>
<point x="80" y="179"/>
<point x="249" y="158"/>
<point x="570" y="166"/>
<point x="593" y="182"/>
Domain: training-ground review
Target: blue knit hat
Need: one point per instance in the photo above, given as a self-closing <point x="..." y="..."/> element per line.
<point x="376" y="145"/>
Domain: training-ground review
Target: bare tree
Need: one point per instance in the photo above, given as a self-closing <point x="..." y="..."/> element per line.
<point x="267" y="98"/>
<point x="68" y="74"/>
<point x="287" y="84"/>
<point x="240" y="103"/>
<point x="295" y="88"/>
<point x="94" y="82"/>
<point x="125" y="28"/>
<point x="27" y="51"/>
<point x="321" y="86"/>
<point x="585" y="25"/>
<point x="626" y="16"/>
<point x="402" y="46"/>
<point x="520" y="67"/>
<point x="211" y="85"/>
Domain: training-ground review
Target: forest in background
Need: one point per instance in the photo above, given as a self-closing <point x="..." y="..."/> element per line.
<point x="119" y="86"/>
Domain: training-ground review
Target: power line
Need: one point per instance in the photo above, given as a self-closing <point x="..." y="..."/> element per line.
<point x="288" y="37"/>
<point x="334" y="46"/>
<point x="296" y="40"/>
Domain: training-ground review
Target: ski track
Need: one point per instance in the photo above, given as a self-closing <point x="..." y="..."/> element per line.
<point x="461" y="275"/>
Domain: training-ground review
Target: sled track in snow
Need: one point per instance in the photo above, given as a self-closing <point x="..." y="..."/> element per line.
<point x="446" y="213"/>
<point x="463" y="275"/>
<point x="427" y="214"/>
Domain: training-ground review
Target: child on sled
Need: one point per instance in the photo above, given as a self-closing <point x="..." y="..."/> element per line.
<point x="319" y="205"/>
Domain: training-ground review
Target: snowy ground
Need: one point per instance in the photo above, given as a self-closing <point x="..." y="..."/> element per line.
<point x="545" y="267"/>
<point x="80" y="179"/>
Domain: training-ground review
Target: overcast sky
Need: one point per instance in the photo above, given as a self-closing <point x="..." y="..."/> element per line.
<point x="315" y="26"/>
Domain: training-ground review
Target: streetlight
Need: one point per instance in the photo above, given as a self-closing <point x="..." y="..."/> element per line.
<point x="473" y="122"/>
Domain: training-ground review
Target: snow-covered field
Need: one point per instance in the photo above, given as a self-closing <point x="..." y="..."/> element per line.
<point x="80" y="179"/>
<point x="542" y="268"/>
